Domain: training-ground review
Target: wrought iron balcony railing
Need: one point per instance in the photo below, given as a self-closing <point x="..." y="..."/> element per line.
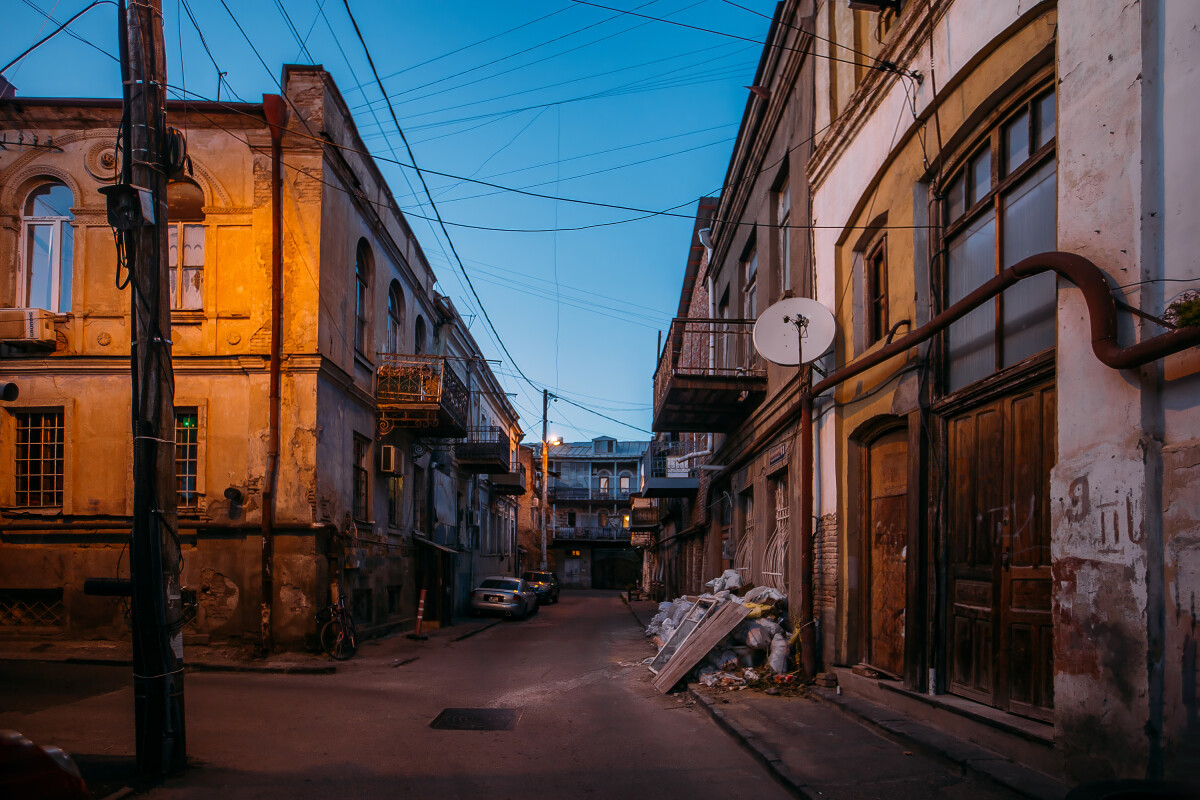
<point x="485" y="450"/>
<point x="709" y="375"/>
<point x="596" y="490"/>
<point x="576" y="533"/>
<point x="422" y="392"/>
<point x="512" y="482"/>
<point x="670" y="467"/>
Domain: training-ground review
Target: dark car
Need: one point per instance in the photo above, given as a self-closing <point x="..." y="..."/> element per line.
<point x="545" y="584"/>
<point x="31" y="771"/>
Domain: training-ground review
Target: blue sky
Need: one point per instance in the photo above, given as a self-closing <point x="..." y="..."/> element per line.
<point x="556" y="97"/>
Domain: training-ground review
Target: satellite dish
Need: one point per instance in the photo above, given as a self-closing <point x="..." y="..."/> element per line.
<point x="796" y="330"/>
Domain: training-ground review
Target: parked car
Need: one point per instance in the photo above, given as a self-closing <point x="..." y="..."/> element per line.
<point x="29" y="771"/>
<point x="511" y="597"/>
<point x="545" y="584"/>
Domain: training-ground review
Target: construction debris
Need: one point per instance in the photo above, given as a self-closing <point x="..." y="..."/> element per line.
<point x="733" y="637"/>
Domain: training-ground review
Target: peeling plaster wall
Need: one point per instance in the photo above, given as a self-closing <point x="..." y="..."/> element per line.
<point x="1126" y="541"/>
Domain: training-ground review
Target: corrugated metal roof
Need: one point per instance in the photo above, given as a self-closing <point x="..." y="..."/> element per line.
<point x="630" y="451"/>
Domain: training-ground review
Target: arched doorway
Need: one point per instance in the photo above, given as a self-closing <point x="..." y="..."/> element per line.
<point x="884" y="548"/>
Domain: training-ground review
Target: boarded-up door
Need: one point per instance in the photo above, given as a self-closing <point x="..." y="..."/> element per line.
<point x="887" y="526"/>
<point x="1000" y="633"/>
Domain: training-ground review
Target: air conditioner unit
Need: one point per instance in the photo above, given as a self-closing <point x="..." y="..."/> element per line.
<point x="28" y="326"/>
<point x="391" y="460"/>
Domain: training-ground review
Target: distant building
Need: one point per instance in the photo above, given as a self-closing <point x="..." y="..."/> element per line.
<point x="587" y="525"/>
<point x="396" y="471"/>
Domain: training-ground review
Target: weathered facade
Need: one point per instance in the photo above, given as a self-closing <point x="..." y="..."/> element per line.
<point x="357" y="502"/>
<point x="1003" y="521"/>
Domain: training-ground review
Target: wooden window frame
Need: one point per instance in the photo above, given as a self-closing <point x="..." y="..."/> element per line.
<point x="875" y="274"/>
<point x="1002" y="181"/>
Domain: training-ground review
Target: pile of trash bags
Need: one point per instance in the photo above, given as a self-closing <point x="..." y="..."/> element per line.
<point x="757" y="648"/>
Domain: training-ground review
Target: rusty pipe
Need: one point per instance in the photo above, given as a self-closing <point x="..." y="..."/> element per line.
<point x="1102" y="315"/>
<point x="275" y="110"/>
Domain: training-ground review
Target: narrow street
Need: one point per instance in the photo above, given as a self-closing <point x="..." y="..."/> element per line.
<point x="590" y="724"/>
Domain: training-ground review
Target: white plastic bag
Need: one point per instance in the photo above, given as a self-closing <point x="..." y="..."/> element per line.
<point x="778" y="660"/>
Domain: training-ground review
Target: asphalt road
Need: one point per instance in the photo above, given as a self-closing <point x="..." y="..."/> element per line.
<point x="588" y="723"/>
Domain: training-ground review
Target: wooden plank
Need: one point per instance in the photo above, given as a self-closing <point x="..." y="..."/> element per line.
<point x="718" y="625"/>
<point x="691" y="620"/>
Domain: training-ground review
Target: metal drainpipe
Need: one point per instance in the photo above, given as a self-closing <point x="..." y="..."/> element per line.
<point x="1102" y="313"/>
<point x="275" y="111"/>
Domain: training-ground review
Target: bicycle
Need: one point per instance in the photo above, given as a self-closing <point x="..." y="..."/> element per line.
<point x="338" y="637"/>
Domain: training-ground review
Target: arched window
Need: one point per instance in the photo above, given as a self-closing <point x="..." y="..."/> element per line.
<point x="419" y="336"/>
<point x="362" y="302"/>
<point x="395" y="320"/>
<point x="49" y="239"/>
<point x="185" y="244"/>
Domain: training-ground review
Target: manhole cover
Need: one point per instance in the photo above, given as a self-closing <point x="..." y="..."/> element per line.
<point x="477" y="719"/>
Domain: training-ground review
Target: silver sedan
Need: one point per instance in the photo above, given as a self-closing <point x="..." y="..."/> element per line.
<point x="511" y="597"/>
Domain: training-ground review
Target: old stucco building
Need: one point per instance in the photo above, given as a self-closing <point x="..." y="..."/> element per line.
<point x="396" y="468"/>
<point x="1003" y="536"/>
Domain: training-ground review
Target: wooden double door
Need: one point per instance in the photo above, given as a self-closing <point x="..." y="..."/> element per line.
<point x="999" y="629"/>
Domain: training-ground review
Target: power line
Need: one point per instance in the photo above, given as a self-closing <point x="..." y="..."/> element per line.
<point x="71" y="33"/>
<point x="511" y="55"/>
<point x="432" y="203"/>
<point x="882" y="66"/>
<point x="55" y="32"/>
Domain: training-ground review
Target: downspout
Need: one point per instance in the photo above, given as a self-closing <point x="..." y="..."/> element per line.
<point x="276" y="114"/>
<point x="1102" y="314"/>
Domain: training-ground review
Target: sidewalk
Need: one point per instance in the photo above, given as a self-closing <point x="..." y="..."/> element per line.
<point x="819" y="744"/>
<point x="212" y="657"/>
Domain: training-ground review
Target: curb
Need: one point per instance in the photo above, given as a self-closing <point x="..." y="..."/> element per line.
<point x="480" y="629"/>
<point x="194" y="666"/>
<point x="765" y="755"/>
<point x="972" y="759"/>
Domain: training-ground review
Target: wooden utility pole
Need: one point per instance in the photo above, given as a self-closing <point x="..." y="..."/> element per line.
<point x="154" y="552"/>
<point x="545" y="472"/>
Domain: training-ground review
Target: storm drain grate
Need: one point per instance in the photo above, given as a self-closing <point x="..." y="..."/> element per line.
<point x="477" y="719"/>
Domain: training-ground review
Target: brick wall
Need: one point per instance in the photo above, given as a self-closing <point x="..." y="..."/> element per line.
<point x="825" y="582"/>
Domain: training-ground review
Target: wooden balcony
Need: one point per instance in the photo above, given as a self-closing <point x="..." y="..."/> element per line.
<point x="485" y="451"/>
<point x="513" y="482"/>
<point x="643" y="518"/>
<point x="709" y="376"/>
<point x="422" y="393"/>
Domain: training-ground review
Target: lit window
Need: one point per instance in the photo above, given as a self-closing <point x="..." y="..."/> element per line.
<point x="186" y="267"/>
<point x="39" y="467"/>
<point x="187" y="451"/>
<point x="48" y="238"/>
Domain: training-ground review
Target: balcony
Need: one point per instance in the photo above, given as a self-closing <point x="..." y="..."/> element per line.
<point x="484" y="451"/>
<point x="709" y="376"/>
<point x="421" y="393"/>
<point x="643" y="518"/>
<point x="581" y="533"/>
<point x="669" y="471"/>
<point x="511" y="482"/>
<point x="597" y="489"/>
